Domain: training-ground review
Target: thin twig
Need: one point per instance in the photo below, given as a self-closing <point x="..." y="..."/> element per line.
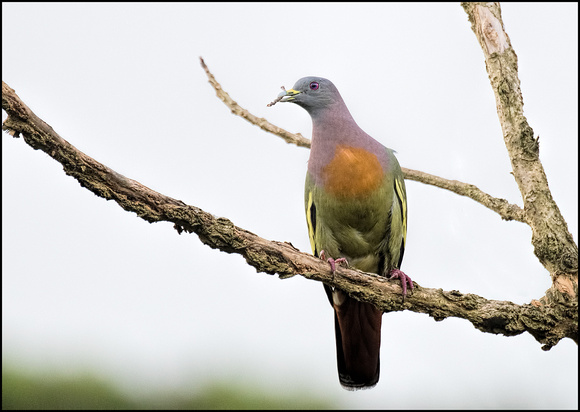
<point x="293" y="138"/>
<point x="506" y="210"/>
<point x="277" y="99"/>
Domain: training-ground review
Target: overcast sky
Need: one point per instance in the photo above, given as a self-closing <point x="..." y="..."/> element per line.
<point x="87" y="285"/>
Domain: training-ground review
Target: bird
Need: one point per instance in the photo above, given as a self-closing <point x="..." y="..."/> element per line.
<point x="356" y="212"/>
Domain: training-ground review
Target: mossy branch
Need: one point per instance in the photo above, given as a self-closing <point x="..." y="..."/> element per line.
<point x="548" y="324"/>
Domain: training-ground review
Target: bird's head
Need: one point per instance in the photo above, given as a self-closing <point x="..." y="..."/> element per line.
<point x="312" y="93"/>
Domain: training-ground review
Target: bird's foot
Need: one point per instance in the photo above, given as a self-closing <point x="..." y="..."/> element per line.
<point x="398" y="274"/>
<point x="333" y="262"/>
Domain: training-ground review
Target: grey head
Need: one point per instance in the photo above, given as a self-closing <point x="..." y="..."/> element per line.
<point x="315" y="94"/>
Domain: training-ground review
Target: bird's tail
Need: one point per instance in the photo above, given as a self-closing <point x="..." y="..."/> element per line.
<point x="357" y="328"/>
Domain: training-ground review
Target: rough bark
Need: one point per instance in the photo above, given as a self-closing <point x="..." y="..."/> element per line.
<point x="553" y="244"/>
<point x="547" y="323"/>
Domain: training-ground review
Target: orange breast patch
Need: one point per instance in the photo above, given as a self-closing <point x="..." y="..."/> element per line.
<point x="353" y="172"/>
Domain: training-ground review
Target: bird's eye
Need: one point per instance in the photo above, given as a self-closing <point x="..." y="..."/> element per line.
<point x="313" y="86"/>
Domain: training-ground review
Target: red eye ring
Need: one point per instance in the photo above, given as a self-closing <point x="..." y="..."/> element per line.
<point x="314" y="86"/>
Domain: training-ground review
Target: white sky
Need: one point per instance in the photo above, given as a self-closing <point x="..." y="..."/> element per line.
<point x="86" y="285"/>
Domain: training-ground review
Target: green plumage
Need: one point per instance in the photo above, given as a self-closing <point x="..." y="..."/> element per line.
<point x="356" y="208"/>
<point x="367" y="231"/>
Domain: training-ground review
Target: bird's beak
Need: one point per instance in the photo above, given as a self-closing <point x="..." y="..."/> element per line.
<point x="288" y="95"/>
<point x="285" y="96"/>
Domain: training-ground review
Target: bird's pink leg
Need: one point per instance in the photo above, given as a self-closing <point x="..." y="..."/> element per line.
<point x="332" y="262"/>
<point x="398" y="274"/>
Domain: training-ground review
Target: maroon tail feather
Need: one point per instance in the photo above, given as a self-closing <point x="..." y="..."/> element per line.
<point x="357" y="328"/>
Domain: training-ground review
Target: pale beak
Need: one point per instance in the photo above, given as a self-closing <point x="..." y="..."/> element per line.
<point x="285" y="96"/>
<point x="288" y="95"/>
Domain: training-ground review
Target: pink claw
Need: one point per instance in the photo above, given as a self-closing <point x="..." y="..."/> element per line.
<point x="332" y="262"/>
<point x="398" y="274"/>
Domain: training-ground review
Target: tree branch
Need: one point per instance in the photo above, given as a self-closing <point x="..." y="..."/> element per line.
<point x="546" y="323"/>
<point x="294" y="138"/>
<point x="553" y="244"/>
<point x="506" y="210"/>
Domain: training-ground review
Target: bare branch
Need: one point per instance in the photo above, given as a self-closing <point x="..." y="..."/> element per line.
<point x="547" y="324"/>
<point x="294" y="138"/>
<point x="553" y="244"/>
<point x="506" y="210"/>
